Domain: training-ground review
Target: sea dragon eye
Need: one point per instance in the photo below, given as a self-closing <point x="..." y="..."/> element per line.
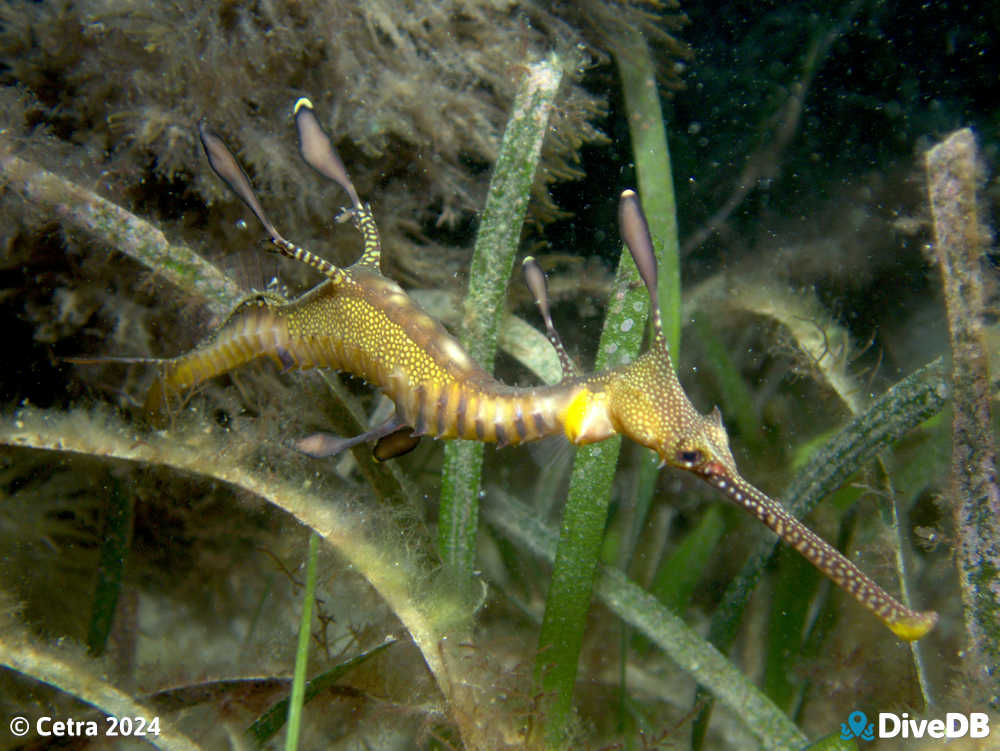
<point x="690" y="458"/>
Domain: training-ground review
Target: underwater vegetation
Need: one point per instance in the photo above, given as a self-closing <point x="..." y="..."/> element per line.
<point x="826" y="277"/>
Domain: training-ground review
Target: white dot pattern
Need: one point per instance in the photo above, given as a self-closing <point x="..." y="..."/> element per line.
<point x="820" y="553"/>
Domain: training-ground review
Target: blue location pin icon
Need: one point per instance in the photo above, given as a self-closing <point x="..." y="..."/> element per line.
<point x="856" y="720"/>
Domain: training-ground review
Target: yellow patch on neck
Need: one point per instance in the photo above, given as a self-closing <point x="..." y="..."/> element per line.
<point x="586" y="418"/>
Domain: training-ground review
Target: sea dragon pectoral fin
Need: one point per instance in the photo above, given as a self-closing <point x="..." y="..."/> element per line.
<point x="393" y="438"/>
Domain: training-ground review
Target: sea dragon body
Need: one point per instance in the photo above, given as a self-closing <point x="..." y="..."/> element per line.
<point x="382" y="336"/>
<point x="360" y="322"/>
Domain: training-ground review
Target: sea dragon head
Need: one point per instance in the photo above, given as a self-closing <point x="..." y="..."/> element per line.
<point x="646" y="402"/>
<point x="649" y="406"/>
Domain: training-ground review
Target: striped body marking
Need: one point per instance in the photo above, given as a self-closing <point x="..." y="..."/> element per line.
<point x="360" y="322"/>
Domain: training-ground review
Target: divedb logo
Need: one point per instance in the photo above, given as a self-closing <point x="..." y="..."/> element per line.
<point x="954" y="725"/>
<point x="892" y="725"/>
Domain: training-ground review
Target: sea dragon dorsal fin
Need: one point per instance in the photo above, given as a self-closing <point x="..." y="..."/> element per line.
<point x="534" y="277"/>
<point x="635" y="233"/>
<point x="318" y="152"/>
<point x="224" y="164"/>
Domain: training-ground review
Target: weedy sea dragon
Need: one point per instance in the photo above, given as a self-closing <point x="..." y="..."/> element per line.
<point x="360" y="322"/>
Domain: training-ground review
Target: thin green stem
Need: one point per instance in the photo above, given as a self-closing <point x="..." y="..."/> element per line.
<point x="584" y="519"/>
<point x="272" y="719"/>
<point x="585" y="515"/>
<point x="115" y="545"/>
<point x="489" y="274"/>
<point x="302" y="651"/>
<point x="677" y="577"/>
<point x="651" y="151"/>
<point x="900" y="550"/>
